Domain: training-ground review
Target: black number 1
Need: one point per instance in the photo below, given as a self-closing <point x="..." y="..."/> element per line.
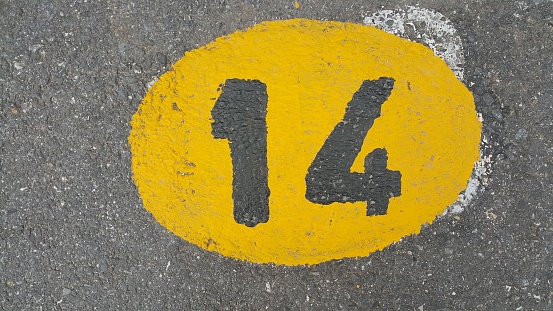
<point x="239" y="115"/>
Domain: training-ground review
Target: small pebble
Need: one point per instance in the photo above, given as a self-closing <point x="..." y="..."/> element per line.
<point x="488" y="99"/>
<point x="522" y="134"/>
<point x="497" y="114"/>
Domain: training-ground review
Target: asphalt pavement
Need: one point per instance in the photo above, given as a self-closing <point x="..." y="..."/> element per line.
<point x="74" y="233"/>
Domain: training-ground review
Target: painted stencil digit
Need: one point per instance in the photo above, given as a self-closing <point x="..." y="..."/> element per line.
<point x="239" y="116"/>
<point x="300" y="141"/>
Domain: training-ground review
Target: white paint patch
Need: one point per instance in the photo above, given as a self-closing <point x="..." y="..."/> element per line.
<point x="425" y="26"/>
<point x="481" y="170"/>
<point x="437" y="32"/>
<point x="151" y="83"/>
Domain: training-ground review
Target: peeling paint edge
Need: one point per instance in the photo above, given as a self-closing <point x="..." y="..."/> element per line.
<point x="437" y="27"/>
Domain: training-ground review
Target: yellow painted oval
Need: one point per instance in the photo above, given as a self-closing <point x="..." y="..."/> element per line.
<point x="428" y="125"/>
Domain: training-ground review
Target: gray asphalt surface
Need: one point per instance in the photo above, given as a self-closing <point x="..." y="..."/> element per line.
<point x="75" y="236"/>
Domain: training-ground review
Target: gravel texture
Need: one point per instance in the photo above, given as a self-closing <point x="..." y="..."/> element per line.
<point x="74" y="234"/>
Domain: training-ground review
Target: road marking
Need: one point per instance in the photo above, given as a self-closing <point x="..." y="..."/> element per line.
<point x="315" y="96"/>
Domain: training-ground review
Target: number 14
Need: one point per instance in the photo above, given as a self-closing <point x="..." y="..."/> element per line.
<point x="239" y="115"/>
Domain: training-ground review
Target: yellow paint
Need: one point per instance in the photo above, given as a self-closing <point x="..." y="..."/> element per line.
<point x="297" y="4"/>
<point x="311" y="68"/>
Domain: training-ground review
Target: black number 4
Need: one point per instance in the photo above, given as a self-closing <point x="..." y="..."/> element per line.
<point x="239" y="115"/>
<point x="329" y="179"/>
